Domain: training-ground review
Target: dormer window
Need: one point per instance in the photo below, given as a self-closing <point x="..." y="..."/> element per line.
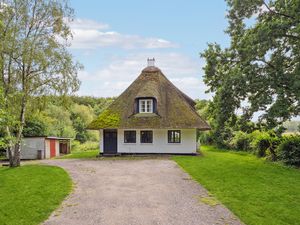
<point x="145" y="105"/>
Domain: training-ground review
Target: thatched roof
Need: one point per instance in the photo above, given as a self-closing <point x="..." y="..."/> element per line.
<point x="175" y="110"/>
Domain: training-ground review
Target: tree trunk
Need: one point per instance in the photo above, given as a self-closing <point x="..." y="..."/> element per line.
<point x="10" y="156"/>
<point x="14" y="154"/>
<point x="273" y="154"/>
<point x="14" y="160"/>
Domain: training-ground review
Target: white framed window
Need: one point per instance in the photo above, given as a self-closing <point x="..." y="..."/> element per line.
<point x="146" y="136"/>
<point x="146" y="105"/>
<point x="129" y="136"/>
<point x="174" y="136"/>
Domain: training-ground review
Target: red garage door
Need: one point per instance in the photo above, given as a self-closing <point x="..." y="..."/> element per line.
<point x="52" y="148"/>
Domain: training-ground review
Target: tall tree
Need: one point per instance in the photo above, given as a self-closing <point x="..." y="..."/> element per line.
<point x="260" y="70"/>
<point x="81" y="116"/>
<point x="34" y="59"/>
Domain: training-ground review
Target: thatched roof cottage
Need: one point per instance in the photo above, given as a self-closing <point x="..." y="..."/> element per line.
<point x="150" y="116"/>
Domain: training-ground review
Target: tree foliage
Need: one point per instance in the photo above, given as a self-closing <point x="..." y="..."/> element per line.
<point x="34" y="59"/>
<point x="260" y="70"/>
<point x="48" y="116"/>
<point x="82" y="115"/>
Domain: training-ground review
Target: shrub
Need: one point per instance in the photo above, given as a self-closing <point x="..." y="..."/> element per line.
<point x="241" y="141"/>
<point x="89" y="145"/>
<point x="205" y="138"/>
<point x="289" y="150"/>
<point x="265" y="144"/>
<point x="75" y="145"/>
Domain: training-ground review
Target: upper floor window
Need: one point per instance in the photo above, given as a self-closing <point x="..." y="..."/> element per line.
<point x="146" y="105"/>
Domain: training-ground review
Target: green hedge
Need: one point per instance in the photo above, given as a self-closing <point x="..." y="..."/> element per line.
<point x="268" y="144"/>
<point x="87" y="146"/>
<point x="289" y="150"/>
<point x="241" y="141"/>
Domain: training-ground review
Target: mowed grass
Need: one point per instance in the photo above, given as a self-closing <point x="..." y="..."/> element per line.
<point x="28" y="194"/>
<point x="257" y="191"/>
<point x="90" y="154"/>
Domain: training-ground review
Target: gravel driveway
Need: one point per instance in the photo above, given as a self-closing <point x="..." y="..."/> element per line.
<point x="130" y="192"/>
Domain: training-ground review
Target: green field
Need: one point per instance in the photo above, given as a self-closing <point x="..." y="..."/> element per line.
<point x="257" y="191"/>
<point x="29" y="194"/>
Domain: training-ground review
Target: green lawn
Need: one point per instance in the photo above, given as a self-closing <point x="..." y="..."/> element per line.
<point x="81" y="155"/>
<point x="29" y="194"/>
<point x="257" y="191"/>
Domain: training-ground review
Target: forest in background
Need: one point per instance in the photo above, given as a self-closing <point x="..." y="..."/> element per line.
<point x="64" y="116"/>
<point x="68" y="116"/>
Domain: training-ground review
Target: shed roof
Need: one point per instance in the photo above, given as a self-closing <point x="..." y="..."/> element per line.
<point x="174" y="108"/>
<point x="48" y="137"/>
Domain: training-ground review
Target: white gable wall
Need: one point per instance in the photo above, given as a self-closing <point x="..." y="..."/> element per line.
<point x="30" y="146"/>
<point x="160" y="142"/>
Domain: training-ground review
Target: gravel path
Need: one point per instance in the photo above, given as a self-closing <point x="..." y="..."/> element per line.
<point x="132" y="192"/>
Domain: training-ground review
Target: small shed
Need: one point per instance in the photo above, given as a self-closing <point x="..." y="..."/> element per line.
<point x="44" y="147"/>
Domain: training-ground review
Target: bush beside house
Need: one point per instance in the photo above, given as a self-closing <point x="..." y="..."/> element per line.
<point x="269" y="144"/>
<point x="289" y="150"/>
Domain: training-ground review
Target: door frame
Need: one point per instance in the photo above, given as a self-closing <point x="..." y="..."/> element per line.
<point x="110" y="130"/>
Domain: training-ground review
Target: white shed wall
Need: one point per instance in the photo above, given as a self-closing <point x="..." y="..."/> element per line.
<point x="160" y="142"/>
<point x="30" y="146"/>
<point x="47" y="151"/>
<point x="47" y="141"/>
<point x="56" y="147"/>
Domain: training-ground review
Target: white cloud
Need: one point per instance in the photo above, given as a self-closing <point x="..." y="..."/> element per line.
<point x="114" y="78"/>
<point x="86" y="24"/>
<point x="89" y="34"/>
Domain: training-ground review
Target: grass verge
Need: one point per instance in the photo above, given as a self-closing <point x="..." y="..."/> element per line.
<point x="257" y="191"/>
<point x="29" y="194"/>
<point x="90" y="154"/>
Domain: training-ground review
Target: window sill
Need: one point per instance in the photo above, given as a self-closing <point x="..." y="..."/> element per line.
<point x="145" y="115"/>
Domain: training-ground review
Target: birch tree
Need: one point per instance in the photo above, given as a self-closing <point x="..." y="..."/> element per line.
<point x="34" y="60"/>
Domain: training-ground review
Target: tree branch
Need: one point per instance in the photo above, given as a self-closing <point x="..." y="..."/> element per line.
<point x="276" y="12"/>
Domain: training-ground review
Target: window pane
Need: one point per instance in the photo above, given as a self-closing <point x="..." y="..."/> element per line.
<point x="130" y="136"/>
<point x="146" y="105"/>
<point x="174" y="136"/>
<point x="146" y="136"/>
<point x="143" y="106"/>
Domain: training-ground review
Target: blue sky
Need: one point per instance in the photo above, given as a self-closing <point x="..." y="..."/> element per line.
<point x="113" y="40"/>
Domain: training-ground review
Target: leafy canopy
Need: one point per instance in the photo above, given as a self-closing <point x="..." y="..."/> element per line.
<point x="260" y="70"/>
<point x="34" y="59"/>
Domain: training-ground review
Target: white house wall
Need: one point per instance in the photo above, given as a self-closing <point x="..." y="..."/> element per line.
<point x="30" y="147"/>
<point x="101" y="141"/>
<point x="160" y="142"/>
